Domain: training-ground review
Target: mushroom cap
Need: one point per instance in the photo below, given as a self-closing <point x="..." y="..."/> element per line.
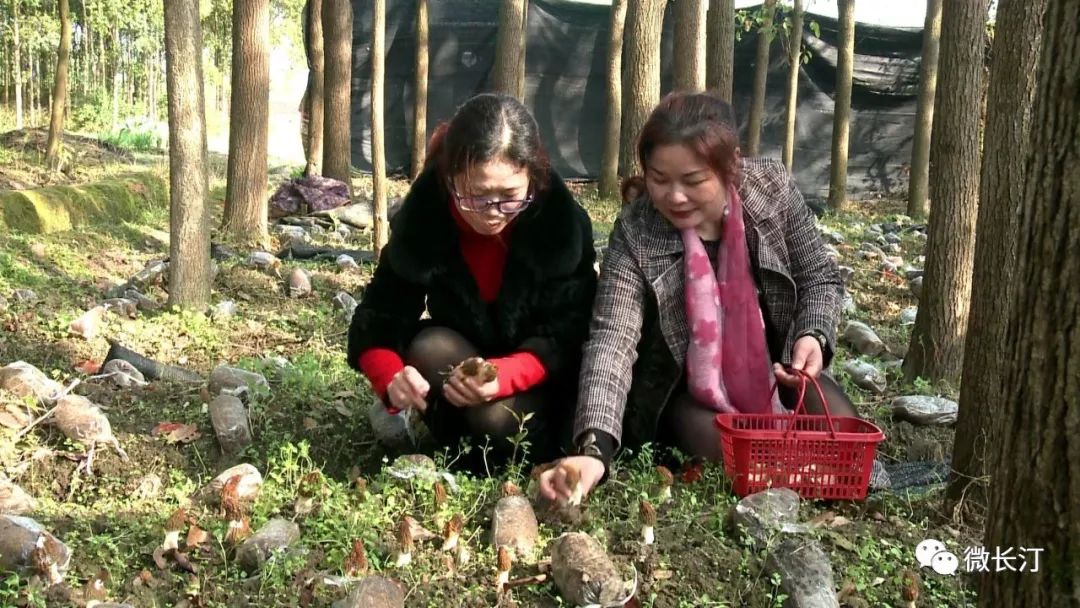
<point x="647" y="513"/>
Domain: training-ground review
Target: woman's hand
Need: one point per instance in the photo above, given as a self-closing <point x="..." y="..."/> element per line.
<point x="468" y="391"/>
<point x="553" y="484"/>
<point x="806" y="355"/>
<point x="408" y="389"/>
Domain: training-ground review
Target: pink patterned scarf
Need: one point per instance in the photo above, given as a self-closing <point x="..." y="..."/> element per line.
<point x="727" y="362"/>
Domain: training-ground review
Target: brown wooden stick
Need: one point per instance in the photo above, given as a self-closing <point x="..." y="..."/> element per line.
<point x="535" y="579"/>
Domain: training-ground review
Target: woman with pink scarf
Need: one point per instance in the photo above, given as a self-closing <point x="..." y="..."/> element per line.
<point x="715" y="285"/>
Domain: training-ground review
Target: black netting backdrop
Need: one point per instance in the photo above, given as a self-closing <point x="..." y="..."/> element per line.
<point x="566" y="80"/>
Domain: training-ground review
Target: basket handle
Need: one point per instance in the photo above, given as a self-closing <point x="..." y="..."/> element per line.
<point x="800" y="405"/>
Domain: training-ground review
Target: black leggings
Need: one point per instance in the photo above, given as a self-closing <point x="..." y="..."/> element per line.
<point x="434" y="352"/>
<point x="688" y="425"/>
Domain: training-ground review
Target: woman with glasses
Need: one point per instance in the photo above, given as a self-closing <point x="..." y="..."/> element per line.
<point x="492" y="243"/>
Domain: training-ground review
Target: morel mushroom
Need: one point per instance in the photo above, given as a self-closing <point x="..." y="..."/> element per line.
<point x="648" y="522"/>
<point x="405" y="542"/>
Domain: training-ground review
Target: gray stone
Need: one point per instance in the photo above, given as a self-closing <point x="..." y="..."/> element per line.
<point x="890" y="227"/>
<point x="874" y="230"/>
<point x="764" y="515"/>
<point x="832" y="237"/>
<point x="223" y="310"/>
<point x="585" y="574"/>
<point x="13" y="500"/>
<point x="863" y="339"/>
<point x="142" y="301"/>
<point x="298" y="283"/>
<point x="849" y="304"/>
<point x="275" y="536"/>
<point x="345" y="303"/>
<point x="23" y="379"/>
<point x="846" y="272"/>
<point x="894" y="248"/>
<point x="229" y="418"/>
<point x="124" y="307"/>
<point x="866" y="376"/>
<point x="912" y="273"/>
<point x="123" y="374"/>
<point x="921" y="409"/>
<point x="247" y="489"/>
<point x="389" y="429"/>
<point x="374" y="591"/>
<point x="806" y="574"/>
<point x="235" y="382"/>
<point x="290" y="231"/>
<point x="514" y="526"/>
<point x="25" y="296"/>
<point x="153" y="271"/>
<point x="892" y="238"/>
<point x="880" y="241"/>
<point x="346" y="262"/>
<point x="907" y="316"/>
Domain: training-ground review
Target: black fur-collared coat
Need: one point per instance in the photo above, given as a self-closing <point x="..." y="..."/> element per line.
<point x="543" y="305"/>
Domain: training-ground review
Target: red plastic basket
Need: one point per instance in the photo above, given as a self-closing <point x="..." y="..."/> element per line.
<point x="818" y="456"/>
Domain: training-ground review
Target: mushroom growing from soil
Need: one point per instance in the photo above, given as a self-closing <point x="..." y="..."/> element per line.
<point x="648" y="522"/>
<point x="573" y="481"/>
<point x="235" y="511"/>
<point x="82" y="421"/>
<point x="452" y="532"/>
<point x="356" y="562"/>
<point x="911" y="584"/>
<point x="405" y="542"/>
<point x="45" y="557"/>
<point x="440" y="494"/>
<point x="173" y="527"/>
<point x="666" y="481"/>
<point x="503" y="559"/>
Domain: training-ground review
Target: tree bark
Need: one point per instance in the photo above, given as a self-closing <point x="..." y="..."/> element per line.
<point x="19" y="119"/>
<point x="842" y="105"/>
<point x="523" y="41"/>
<point x="644" y="22"/>
<point x="794" y="64"/>
<point x="1008" y="124"/>
<point x="937" y="341"/>
<point x="337" y="129"/>
<point x="761" y="74"/>
<point x="509" y="53"/>
<point x="316" y="100"/>
<point x="378" y="141"/>
<point x="419" y="148"/>
<point x="918" y="206"/>
<point x="245" y="196"/>
<point x="60" y="86"/>
<point x="609" y="163"/>
<point x="118" y="78"/>
<point x="721" y="47"/>
<point x="689" y="51"/>
<point x="1035" y="495"/>
<point x="189" y="243"/>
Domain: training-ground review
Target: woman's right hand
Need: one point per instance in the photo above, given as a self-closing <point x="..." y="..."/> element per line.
<point x="553" y="483"/>
<point x="408" y="389"/>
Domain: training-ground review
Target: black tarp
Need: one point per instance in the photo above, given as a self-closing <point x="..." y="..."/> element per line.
<point x="566" y="80"/>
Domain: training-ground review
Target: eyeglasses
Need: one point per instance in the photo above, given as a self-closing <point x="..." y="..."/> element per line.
<point x="478" y="204"/>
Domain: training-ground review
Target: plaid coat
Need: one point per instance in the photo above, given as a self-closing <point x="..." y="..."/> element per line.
<point x="638" y="335"/>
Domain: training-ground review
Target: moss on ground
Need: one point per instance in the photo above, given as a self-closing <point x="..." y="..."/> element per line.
<point x="61" y="208"/>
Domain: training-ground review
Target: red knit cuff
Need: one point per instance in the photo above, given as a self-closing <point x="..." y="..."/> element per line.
<point x="518" y="373"/>
<point x="380" y="365"/>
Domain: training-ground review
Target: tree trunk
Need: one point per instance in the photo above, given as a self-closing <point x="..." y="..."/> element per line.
<point x="689" y="52"/>
<point x="609" y="164"/>
<point x="1008" y="123"/>
<point x="337" y="129"/>
<point x="794" y="64"/>
<point x="523" y="40"/>
<point x="31" y="86"/>
<point x="509" y="53"/>
<point x="761" y="74"/>
<point x="60" y="86"/>
<point x="924" y="114"/>
<point x="644" y="22"/>
<point x="118" y="79"/>
<point x="245" y="196"/>
<point x="19" y="121"/>
<point x="189" y="243"/>
<point x="378" y="136"/>
<point x="842" y="105"/>
<point x="721" y="47"/>
<point x="151" y="76"/>
<point x="419" y="142"/>
<point x="937" y="341"/>
<point x="1035" y="495"/>
<point x="316" y="99"/>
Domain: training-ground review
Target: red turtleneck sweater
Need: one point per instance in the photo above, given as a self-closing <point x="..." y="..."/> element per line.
<point x="486" y="258"/>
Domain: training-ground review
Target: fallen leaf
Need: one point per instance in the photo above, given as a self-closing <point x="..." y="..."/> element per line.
<point x="310" y="424"/>
<point x="196" y="536"/>
<point x="822" y="519"/>
<point x="344" y="395"/>
<point x="175" y="432"/>
<point x="344" y="411"/>
<point x="662" y="575"/>
<point x="183" y="561"/>
<point x="877" y="581"/>
<point x="839" y="521"/>
<point x="692" y="472"/>
<point x="13" y="419"/>
<point x="88" y="367"/>
<point x="843" y="542"/>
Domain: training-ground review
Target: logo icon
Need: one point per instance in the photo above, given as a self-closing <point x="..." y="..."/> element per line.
<point x="931" y="553"/>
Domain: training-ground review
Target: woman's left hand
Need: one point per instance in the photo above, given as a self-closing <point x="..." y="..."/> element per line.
<point x="466" y="391"/>
<point x="806" y="355"/>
